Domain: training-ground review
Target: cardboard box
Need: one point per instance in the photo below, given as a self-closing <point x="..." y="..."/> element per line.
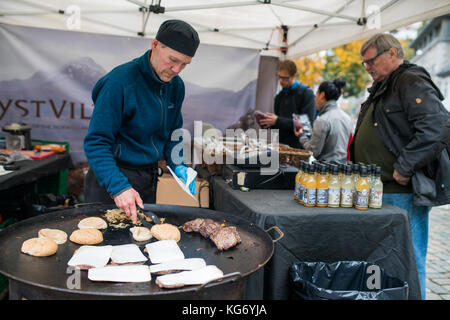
<point x="169" y="192"/>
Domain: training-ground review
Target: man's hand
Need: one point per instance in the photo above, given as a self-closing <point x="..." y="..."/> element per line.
<point x="400" y="179"/>
<point x="269" y="120"/>
<point x="298" y="132"/>
<point x="181" y="172"/>
<point x="127" y="201"/>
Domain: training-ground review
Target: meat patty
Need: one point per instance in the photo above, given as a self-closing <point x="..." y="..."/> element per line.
<point x="208" y="227"/>
<point x="225" y="238"/>
<point x="193" y="225"/>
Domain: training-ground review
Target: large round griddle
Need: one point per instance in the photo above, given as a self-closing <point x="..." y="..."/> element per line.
<point x="50" y="274"/>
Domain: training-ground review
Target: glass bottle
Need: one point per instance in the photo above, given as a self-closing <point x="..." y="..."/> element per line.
<point x="322" y="187"/>
<point x="376" y="190"/>
<point x="311" y="186"/>
<point x="334" y="188"/>
<point x="302" y="194"/>
<point x="347" y="188"/>
<point x="297" y="181"/>
<point x="362" y="190"/>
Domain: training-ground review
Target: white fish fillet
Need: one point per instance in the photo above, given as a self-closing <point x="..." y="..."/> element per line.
<point x="91" y="257"/>
<point x="127" y="253"/>
<point x="199" y="276"/>
<point x="185" y="264"/>
<point x="120" y="274"/>
<point x="163" y="251"/>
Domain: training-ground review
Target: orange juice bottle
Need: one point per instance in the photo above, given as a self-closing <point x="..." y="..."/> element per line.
<point x="376" y="190"/>
<point x="311" y="186"/>
<point x="362" y="190"/>
<point x="302" y="195"/>
<point x="322" y="187"/>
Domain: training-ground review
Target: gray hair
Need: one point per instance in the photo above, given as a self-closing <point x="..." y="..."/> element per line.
<point x="383" y="42"/>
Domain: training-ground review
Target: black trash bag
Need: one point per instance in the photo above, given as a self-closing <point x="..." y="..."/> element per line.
<point x="344" y="280"/>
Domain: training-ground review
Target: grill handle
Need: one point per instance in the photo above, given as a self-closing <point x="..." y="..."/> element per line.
<point x="233" y="275"/>
<point x="280" y="233"/>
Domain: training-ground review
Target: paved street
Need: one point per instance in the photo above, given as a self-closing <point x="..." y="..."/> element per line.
<point x="438" y="257"/>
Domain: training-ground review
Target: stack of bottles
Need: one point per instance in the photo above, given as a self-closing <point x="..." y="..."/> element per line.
<point x="323" y="184"/>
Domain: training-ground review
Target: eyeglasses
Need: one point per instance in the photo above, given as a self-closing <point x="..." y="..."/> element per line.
<point x="371" y="61"/>
<point x="283" y="78"/>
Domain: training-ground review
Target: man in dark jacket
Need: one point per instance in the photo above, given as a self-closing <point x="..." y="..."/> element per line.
<point x="137" y="109"/>
<point x="401" y="128"/>
<point x="294" y="98"/>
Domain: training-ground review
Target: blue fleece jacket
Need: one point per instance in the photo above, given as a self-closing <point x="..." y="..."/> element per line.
<point x="133" y="119"/>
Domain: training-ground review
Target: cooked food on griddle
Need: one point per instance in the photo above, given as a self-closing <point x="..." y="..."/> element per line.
<point x="193" y="225"/>
<point x="195" y="277"/>
<point x="56" y="235"/>
<point x="166" y="231"/>
<point x="86" y="236"/>
<point x="127" y="254"/>
<point x="92" y="222"/>
<point x="141" y="233"/>
<point x="208" y="227"/>
<point x="178" y="265"/>
<point x="120" y="274"/>
<point x="164" y="251"/>
<point x="117" y="218"/>
<point x="39" y="247"/>
<point x="224" y="237"/>
<point x="87" y="257"/>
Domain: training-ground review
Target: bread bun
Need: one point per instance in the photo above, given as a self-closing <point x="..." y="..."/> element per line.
<point x="92" y="222"/>
<point x="86" y="236"/>
<point x="166" y="231"/>
<point x="39" y="247"/>
<point x="56" y="235"/>
<point x="141" y="233"/>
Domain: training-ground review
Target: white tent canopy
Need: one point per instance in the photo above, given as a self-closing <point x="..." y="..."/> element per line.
<point x="303" y="27"/>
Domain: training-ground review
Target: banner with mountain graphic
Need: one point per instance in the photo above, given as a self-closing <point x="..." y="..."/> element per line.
<point x="46" y="79"/>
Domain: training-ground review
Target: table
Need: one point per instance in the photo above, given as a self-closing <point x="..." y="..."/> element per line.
<point x="380" y="236"/>
<point x="48" y="175"/>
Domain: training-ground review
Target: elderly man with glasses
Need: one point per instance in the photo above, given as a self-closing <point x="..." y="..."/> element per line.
<point x="294" y="97"/>
<point x="403" y="127"/>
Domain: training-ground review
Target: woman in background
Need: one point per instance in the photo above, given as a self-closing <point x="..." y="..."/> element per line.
<point x="333" y="127"/>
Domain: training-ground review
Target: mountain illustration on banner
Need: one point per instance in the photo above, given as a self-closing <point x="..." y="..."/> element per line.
<point x="58" y="105"/>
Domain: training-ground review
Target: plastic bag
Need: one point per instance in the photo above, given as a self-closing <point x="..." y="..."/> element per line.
<point x="344" y="280"/>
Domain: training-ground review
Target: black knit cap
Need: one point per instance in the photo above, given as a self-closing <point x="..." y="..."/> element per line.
<point x="179" y="36"/>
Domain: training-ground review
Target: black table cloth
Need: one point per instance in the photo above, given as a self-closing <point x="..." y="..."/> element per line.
<point x="380" y="236"/>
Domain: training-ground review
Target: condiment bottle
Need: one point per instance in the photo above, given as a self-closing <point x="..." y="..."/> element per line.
<point x="322" y="187"/>
<point x="347" y="188"/>
<point x="297" y="181"/>
<point x="311" y="186"/>
<point x="302" y="194"/>
<point x="334" y="187"/>
<point x="376" y="190"/>
<point x="362" y="190"/>
<point x="355" y="177"/>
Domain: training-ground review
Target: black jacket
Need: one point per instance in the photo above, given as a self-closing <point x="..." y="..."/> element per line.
<point x="413" y="124"/>
<point x="299" y="100"/>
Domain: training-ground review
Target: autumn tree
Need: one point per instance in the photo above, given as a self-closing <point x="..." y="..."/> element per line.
<point x="310" y="69"/>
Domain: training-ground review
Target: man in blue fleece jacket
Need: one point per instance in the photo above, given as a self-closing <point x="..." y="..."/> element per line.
<point x="137" y="107"/>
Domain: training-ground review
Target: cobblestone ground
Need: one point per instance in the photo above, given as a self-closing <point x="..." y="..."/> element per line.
<point x="438" y="257"/>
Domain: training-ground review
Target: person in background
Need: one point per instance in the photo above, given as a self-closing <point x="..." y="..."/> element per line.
<point x="137" y="107"/>
<point x="332" y="129"/>
<point x="294" y="98"/>
<point x="400" y="127"/>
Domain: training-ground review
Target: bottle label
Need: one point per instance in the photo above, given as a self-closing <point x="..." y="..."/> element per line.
<point x="362" y="198"/>
<point x="334" y="196"/>
<point x="346" y="197"/>
<point x="297" y="190"/>
<point x="322" y="196"/>
<point x="311" y="196"/>
<point x="376" y="198"/>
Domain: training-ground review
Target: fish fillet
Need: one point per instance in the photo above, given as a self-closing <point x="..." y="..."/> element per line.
<point x="178" y="265"/>
<point x="91" y="257"/>
<point x="127" y="253"/>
